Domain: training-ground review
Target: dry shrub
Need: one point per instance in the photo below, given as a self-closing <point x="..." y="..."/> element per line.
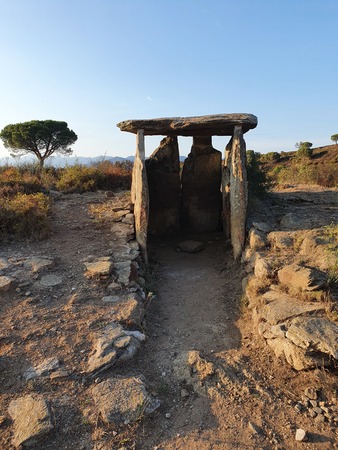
<point x="115" y="175"/>
<point x="79" y="178"/>
<point x="24" y="216"/>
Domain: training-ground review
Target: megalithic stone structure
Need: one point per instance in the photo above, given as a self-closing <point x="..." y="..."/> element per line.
<point x="231" y="176"/>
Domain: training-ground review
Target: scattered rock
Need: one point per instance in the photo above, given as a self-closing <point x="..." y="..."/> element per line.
<point x="39" y="264"/>
<point x="191" y="246"/>
<point x="123" y="399"/>
<point x="5" y="283"/>
<point x="311" y="393"/>
<point x="301" y="435"/>
<point x="32" y="420"/>
<point x="101" y="267"/>
<point x="42" y="370"/>
<point x="130" y="311"/>
<point x="50" y="280"/>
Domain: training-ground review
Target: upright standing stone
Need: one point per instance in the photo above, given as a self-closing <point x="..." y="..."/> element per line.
<point x="140" y="195"/>
<point x="201" y="188"/>
<point x="163" y="172"/>
<point x="226" y="190"/>
<point x="238" y="192"/>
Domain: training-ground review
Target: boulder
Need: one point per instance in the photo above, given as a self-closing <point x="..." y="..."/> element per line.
<point x="123" y="400"/>
<point x="163" y="173"/>
<point x="32" y="420"/>
<point x="300" y="277"/>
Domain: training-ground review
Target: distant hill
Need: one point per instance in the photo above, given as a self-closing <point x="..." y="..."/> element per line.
<point x="287" y="167"/>
<point x="63" y="161"/>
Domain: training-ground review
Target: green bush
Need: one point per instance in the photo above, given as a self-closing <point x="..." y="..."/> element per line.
<point x="258" y="181"/>
<point x="25" y="216"/>
<point x="270" y="157"/>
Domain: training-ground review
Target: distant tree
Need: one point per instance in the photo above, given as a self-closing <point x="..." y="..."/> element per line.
<point x="40" y="137"/>
<point x="304" y="149"/>
<point x="334" y="138"/>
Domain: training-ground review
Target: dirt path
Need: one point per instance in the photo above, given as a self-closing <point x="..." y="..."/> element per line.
<point x="237" y="395"/>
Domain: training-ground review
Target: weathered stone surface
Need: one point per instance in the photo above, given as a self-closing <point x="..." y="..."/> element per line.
<point x="140" y="195"/>
<point x="315" y="335"/>
<point x="282" y="307"/>
<point x="281" y="240"/>
<point x="130" y="311"/>
<point x="98" y="268"/>
<point x="191" y="246"/>
<point x="122" y="231"/>
<point x="262" y="268"/>
<point x="297" y="357"/>
<point x="226" y="190"/>
<point x="42" y="370"/>
<point x="114" y="346"/>
<point x="105" y="354"/>
<point x="262" y="226"/>
<point x="32" y="420"/>
<point x="314" y="249"/>
<point x="257" y="239"/>
<point x="37" y="264"/>
<point x="50" y="280"/>
<point x="238" y="192"/>
<point x="5" y="283"/>
<point x="163" y="173"/>
<point x="201" y="184"/>
<point x="4" y="264"/>
<point x="123" y="400"/>
<point x="304" y="278"/>
<point x="212" y="125"/>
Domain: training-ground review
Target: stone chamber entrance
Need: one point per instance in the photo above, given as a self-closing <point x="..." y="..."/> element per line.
<point x="207" y="194"/>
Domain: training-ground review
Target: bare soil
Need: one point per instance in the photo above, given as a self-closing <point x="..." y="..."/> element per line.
<point x="249" y="403"/>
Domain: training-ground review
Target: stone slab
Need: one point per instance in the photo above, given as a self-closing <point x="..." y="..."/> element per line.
<point x="32" y="420"/>
<point x="122" y="400"/>
<point x="284" y="307"/>
<point x="315" y="334"/>
<point x="211" y="125"/>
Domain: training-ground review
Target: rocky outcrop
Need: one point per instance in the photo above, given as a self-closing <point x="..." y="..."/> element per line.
<point x="163" y="173"/>
<point x="289" y="315"/>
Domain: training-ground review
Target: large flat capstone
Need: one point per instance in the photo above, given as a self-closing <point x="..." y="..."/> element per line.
<point x="213" y="125"/>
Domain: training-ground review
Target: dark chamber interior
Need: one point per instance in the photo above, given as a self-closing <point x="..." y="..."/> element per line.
<point x="188" y="200"/>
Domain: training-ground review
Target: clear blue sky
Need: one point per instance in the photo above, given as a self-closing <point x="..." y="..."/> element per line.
<point x="96" y="63"/>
